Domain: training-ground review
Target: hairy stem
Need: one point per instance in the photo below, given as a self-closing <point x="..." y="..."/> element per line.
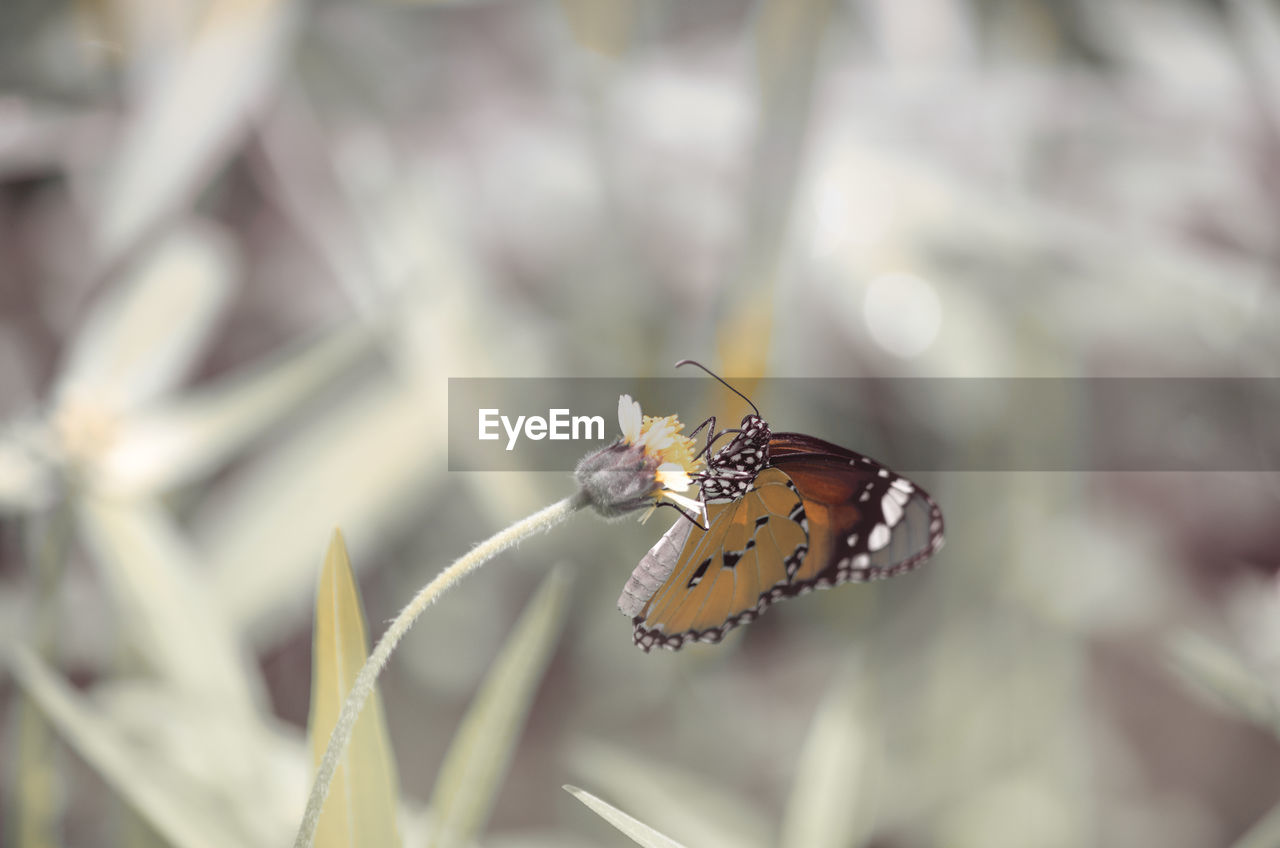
<point x="543" y="520"/>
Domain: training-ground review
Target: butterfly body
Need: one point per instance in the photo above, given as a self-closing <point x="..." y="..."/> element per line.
<point x="731" y="469"/>
<point x="786" y="513"/>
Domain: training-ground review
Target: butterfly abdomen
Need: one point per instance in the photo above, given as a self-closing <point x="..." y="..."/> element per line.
<point x="654" y="568"/>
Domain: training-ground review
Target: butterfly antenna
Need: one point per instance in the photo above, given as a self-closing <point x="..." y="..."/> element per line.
<point x="718" y="377"/>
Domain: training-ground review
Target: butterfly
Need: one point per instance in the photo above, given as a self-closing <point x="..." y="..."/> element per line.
<point x="786" y="514"/>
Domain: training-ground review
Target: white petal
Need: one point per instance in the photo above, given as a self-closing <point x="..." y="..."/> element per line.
<point x="659" y="436"/>
<point x="629" y="418"/>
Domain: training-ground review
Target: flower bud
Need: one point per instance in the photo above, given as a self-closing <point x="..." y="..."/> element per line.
<point x="651" y="463"/>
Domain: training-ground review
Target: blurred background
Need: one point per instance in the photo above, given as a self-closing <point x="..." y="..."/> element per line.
<point x="245" y="243"/>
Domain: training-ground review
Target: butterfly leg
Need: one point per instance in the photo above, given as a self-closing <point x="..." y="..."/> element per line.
<point x="686" y="515"/>
<point x="710" y="424"/>
<point x="712" y="439"/>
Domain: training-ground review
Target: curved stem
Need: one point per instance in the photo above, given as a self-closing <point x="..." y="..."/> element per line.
<point x="360" y="690"/>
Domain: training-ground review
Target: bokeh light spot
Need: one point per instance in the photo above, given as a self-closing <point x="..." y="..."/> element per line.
<point x="903" y="313"/>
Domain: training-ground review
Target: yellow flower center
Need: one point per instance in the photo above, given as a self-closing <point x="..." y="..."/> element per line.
<point x="661" y="440"/>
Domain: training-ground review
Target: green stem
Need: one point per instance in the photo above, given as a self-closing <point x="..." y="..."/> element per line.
<point x="365" y="680"/>
<point x="38" y="778"/>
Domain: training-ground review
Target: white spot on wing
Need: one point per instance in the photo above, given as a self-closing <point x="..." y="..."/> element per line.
<point x="879" y="537"/>
<point x="892" y="510"/>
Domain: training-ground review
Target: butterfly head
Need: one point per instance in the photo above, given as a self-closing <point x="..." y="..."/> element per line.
<point x="754" y="428"/>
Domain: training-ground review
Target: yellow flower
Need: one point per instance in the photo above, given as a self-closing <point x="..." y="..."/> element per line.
<point x="650" y="464"/>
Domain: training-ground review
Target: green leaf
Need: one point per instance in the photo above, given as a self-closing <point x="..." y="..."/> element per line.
<point x="830" y="805"/>
<point x="253" y="527"/>
<point x="160" y="590"/>
<point x="638" y="831"/>
<point x="1214" y="671"/>
<point x="37" y="781"/>
<point x="40" y="790"/>
<point x="788" y="35"/>
<point x="145" y="333"/>
<point x="688" y="804"/>
<point x="1256" y="26"/>
<point x="361" y="808"/>
<point x="603" y="26"/>
<point x="141" y="782"/>
<point x="191" y="117"/>
<point x="472" y="772"/>
<point x="175" y="441"/>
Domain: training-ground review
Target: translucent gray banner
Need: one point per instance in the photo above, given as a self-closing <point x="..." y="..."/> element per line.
<point x="910" y="424"/>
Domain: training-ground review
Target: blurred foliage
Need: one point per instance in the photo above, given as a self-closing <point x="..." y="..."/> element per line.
<point x="361" y="808"/>
<point x="246" y="242"/>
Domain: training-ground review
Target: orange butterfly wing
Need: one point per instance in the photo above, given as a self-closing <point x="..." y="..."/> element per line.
<point x="865" y="521"/>
<point x="725" y="575"/>
<point x="818" y="516"/>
